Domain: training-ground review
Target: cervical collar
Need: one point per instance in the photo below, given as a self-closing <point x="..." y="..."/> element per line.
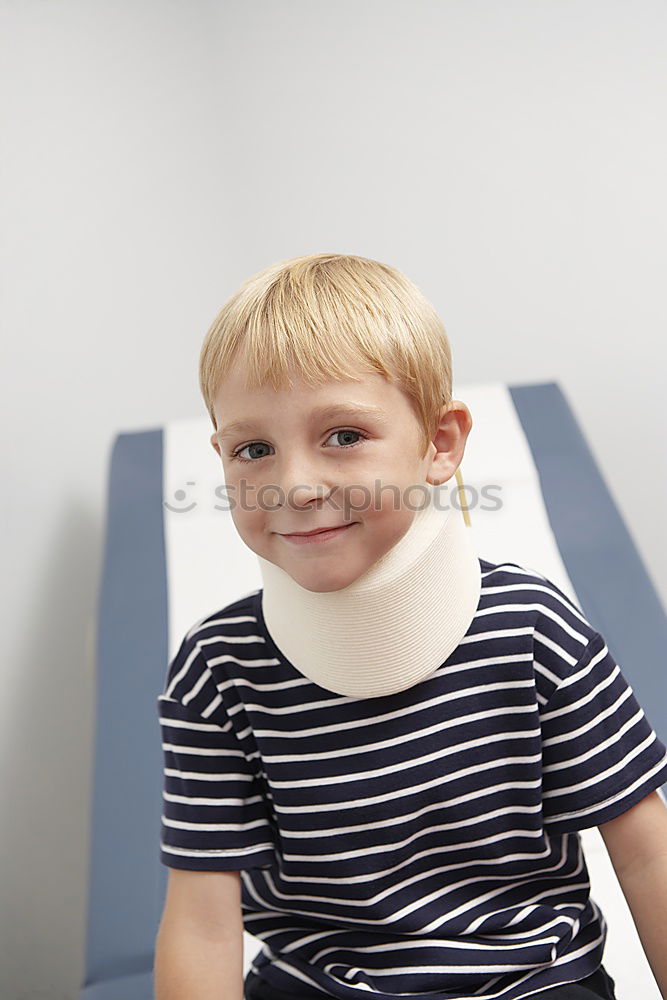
<point x="391" y="628"/>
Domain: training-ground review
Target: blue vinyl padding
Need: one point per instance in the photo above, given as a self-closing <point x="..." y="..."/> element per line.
<point x="127" y="882"/>
<point x="614" y="589"/>
<point x="139" y="987"/>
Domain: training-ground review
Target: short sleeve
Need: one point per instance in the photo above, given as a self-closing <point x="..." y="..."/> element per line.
<point x="600" y="755"/>
<point x="215" y="815"/>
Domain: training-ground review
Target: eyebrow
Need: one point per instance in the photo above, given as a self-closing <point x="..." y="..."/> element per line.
<point x="337" y="409"/>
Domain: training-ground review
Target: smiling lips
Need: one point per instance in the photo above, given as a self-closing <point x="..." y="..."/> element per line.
<point x="318" y="534"/>
<point x="315" y="531"/>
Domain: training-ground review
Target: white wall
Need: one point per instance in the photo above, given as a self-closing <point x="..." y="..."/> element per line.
<point x="509" y="157"/>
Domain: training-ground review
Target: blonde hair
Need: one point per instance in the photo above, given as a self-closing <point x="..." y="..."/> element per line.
<point x="328" y="316"/>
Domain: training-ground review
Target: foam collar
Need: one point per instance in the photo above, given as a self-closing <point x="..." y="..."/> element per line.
<point x="391" y="628"/>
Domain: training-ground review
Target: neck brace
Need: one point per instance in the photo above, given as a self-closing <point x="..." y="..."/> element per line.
<point x="391" y="628"/>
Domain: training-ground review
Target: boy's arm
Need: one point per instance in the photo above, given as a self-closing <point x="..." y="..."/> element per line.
<point x="199" y="946"/>
<point x="636" y="842"/>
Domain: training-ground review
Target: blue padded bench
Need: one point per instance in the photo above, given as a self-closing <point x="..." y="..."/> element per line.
<point x="135" y="638"/>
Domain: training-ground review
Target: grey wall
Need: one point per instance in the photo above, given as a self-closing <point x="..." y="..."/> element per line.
<point x="509" y="157"/>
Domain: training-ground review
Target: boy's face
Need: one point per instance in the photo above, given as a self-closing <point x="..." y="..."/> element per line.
<point x="306" y="470"/>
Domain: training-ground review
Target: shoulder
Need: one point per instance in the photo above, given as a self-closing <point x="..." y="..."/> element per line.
<point x="225" y="621"/>
<point x="205" y="644"/>
<point x="527" y="586"/>
<point x="526" y="599"/>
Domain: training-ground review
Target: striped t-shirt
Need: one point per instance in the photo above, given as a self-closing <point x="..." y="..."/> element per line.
<point x="418" y="844"/>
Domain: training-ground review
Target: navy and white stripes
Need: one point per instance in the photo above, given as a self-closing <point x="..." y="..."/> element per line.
<point x="420" y="843"/>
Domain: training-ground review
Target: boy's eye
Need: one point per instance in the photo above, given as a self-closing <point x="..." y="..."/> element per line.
<point x="263" y="444"/>
<point x="253" y="444"/>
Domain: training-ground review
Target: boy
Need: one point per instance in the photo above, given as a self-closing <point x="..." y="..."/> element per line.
<point x="378" y="762"/>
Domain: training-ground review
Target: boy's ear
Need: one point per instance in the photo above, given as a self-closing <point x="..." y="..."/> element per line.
<point x="214" y="441"/>
<point x="450" y="441"/>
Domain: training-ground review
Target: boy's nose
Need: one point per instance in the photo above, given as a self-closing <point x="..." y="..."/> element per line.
<point x="300" y="494"/>
<point x="299" y="479"/>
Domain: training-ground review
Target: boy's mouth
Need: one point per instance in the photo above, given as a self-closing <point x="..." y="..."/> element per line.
<point x="317" y="535"/>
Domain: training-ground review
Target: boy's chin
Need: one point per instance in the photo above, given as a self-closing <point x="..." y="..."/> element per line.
<point x="318" y="580"/>
<point x="321" y="583"/>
